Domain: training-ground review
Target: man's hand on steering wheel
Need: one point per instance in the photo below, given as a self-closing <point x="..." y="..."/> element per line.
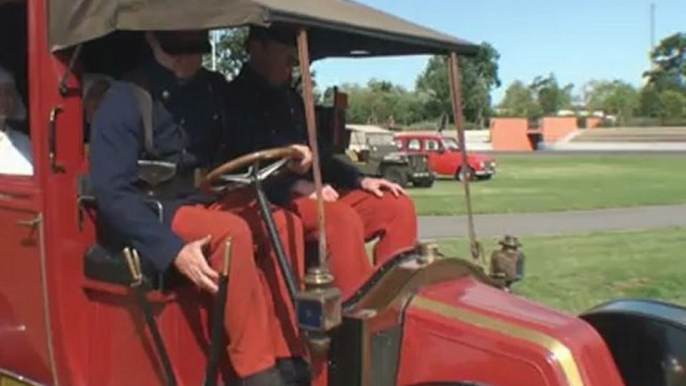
<point x="376" y="186"/>
<point x="302" y="162"/>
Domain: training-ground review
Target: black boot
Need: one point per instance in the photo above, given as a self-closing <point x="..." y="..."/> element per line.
<point x="295" y="371"/>
<point x="269" y="377"/>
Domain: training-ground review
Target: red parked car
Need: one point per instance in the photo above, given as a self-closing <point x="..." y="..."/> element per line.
<point x="445" y="157"/>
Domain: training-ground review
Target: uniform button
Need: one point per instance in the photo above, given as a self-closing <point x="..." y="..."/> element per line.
<point x="216" y="117"/>
<point x="165" y="95"/>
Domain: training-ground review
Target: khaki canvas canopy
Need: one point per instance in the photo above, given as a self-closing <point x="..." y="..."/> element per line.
<point x="338" y="28"/>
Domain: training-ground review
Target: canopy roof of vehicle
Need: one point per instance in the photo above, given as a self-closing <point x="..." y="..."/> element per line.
<point x="338" y="28"/>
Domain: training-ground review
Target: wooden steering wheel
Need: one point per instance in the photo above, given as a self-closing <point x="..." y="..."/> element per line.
<point x="220" y="178"/>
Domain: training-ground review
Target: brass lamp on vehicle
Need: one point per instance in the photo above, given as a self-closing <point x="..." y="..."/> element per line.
<point x="319" y="309"/>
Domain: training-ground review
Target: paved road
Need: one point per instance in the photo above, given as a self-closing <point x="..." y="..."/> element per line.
<point x="555" y="222"/>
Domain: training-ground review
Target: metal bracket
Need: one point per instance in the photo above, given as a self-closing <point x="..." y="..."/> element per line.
<point x="63" y="89"/>
<point x="134" y="262"/>
<point x="32" y="223"/>
<point x="52" y="137"/>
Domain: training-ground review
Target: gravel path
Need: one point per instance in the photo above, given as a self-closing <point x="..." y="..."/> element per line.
<point x="555" y="222"/>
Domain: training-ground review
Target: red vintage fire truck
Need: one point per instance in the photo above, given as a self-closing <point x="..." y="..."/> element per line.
<point x="73" y="316"/>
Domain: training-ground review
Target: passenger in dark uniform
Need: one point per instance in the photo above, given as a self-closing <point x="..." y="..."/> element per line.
<point x="266" y="112"/>
<point x="187" y="123"/>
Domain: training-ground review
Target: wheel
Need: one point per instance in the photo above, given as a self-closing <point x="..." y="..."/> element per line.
<point x="397" y="175"/>
<point x="424" y="183"/>
<point x="469" y="174"/>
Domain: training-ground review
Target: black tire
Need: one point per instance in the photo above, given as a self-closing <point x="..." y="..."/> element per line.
<point x="469" y="172"/>
<point x="424" y="183"/>
<point x="397" y="175"/>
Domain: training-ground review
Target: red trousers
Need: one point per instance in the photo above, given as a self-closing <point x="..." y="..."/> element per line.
<point x="356" y="218"/>
<point x="256" y="335"/>
<point x="283" y="325"/>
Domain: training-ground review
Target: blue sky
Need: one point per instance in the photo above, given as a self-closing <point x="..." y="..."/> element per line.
<point x="576" y="40"/>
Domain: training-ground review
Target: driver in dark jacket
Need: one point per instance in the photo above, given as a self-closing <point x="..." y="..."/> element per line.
<point x="266" y="112"/>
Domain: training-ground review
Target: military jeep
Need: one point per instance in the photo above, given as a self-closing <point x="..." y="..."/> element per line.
<point x="376" y="153"/>
<point x="372" y="149"/>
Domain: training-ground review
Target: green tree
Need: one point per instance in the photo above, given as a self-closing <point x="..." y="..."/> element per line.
<point x="669" y="64"/>
<point x="650" y="104"/>
<point x="380" y="101"/>
<point x="550" y="95"/>
<point x="672" y="105"/>
<point x="232" y="55"/>
<point x="231" y="51"/>
<point x="479" y="75"/>
<point x="614" y="97"/>
<point x="519" y="101"/>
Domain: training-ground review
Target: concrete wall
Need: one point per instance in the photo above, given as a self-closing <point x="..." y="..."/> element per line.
<point x="593" y="122"/>
<point x="510" y="134"/>
<point x="556" y="128"/>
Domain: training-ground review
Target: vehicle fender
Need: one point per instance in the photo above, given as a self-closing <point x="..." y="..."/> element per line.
<point x="389" y="164"/>
<point x="647" y="340"/>
<point x="474" y="162"/>
<point x="386" y="163"/>
<point x="456" y="161"/>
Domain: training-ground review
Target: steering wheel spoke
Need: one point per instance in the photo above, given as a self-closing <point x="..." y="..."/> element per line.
<point x="219" y="179"/>
<point x="242" y="179"/>
<point x="269" y="170"/>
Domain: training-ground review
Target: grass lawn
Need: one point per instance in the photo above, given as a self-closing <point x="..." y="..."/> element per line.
<point x="539" y="183"/>
<point x="577" y="272"/>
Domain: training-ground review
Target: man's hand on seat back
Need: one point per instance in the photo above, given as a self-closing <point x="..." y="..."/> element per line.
<point x="191" y="263"/>
<point x="376" y="186"/>
<point x="302" y="163"/>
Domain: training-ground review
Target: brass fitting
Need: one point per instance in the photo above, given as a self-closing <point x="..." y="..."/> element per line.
<point x="319" y="309"/>
<point x="318" y="278"/>
<point x="428" y="252"/>
<point x="134" y="263"/>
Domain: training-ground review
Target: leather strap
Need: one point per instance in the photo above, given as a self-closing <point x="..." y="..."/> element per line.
<point x="145" y="106"/>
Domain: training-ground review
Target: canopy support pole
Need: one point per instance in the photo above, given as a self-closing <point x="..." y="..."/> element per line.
<point x="458" y="114"/>
<point x="320" y="297"/>
<point x="308" y="96"/>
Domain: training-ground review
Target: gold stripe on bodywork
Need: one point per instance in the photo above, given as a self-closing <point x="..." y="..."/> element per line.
<point x="559" y="352"/>
<point x="10" y="379"/>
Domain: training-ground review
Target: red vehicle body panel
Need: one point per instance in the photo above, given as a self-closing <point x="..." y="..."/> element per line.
<point x="466" y="330"/>
<point x="446" y="162"/>
<point x="59" y="328"/>
<point x="23" y="332"/>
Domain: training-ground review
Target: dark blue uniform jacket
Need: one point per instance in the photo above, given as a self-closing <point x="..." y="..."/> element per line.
<point x="187" y="120"/>
<point x="262" y="116"/>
